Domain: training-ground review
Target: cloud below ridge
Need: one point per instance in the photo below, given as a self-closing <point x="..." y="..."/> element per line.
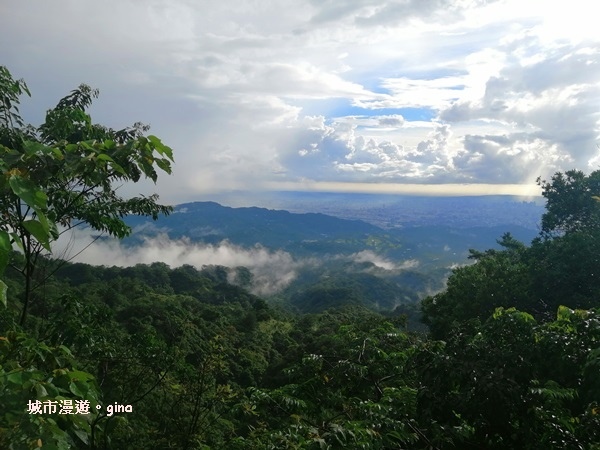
<point x="272" y="270"/>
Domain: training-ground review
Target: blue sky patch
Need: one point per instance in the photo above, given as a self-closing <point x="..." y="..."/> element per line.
<point x="342" y="107"/>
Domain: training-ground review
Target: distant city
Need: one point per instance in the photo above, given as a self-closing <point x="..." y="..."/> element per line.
<point x="400" y="211"/>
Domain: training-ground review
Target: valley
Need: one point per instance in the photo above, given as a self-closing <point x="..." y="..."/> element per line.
<point x="311" y="261"/>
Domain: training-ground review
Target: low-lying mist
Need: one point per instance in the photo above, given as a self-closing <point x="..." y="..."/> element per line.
<point x="382" y="262"/>
<point x="272" y="270"/>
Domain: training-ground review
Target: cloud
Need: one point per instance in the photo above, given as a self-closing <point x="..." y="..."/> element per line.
<point x="381" y="262"/>
<point x="360" y="91"/>
<point x="339" y="150"/>
<point x="272" y="270"/>
<point x="394" y="121"/>
<point x="508" y="158"/>
<point x="372" y="257"/>
<point x="550" y="96"/>
<point x="371" y="13"/>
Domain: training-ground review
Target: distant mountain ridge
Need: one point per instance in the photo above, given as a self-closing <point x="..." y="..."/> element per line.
<point x="308" y="233"/>
<point x="327" y="261"/>
<point x="211" y="222"/>
<point x="394" y="210"/>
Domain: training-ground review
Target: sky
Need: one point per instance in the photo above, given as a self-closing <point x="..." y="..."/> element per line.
<point x="426" y="96"/>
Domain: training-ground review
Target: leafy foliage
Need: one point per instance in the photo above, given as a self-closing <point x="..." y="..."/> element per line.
<point x="356" y="393"/>
<point x="63" y="173"/>
<point x="571" y="205"/>
<point x="511" y="383"/>
<point x="535" y="279"/>
<point x="498" y="278"/>
<point x="34" y="371"/>
<point x="215" y="367"/>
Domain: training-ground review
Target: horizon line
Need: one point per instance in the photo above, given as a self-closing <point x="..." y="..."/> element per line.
<point x="443" y="190"/>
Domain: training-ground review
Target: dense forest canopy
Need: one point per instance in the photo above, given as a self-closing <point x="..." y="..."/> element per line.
<point x="158" y="357"/>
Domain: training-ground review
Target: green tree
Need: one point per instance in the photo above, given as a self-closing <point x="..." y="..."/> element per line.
<point x="559" y="267"/>
<point x="358" y="393"/>
<point x="571" y="204"/>
<point x="64" y="173"/>
<point x="33" y="372"/>
<point x="513" y="383"/>
<point x="498" y="278"/>
<point x="565" y="270"/>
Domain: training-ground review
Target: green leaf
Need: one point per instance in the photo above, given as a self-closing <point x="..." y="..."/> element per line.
<point x="86" y="145"/>
<point x="78" y="388"/>
<point x="58" y="154"/>
<point x="32" y="147"/>
<point x="80" y="376"/>
<point x="5" y="249"/>
<point x="41" y="217"/>
<point x="40" y="390"/>
<point x="118" y="168"/>
<point x="15" y="377"/>
<point x="104" y="157"/>
<point x="82" y="435"/>
<point x="65" y="350"/>
<point x="17" y="240"/>
<point x="28" y="192"/>
<point x="564" y="313"/>
<point x="3" y="289"/>
<point x="498" y="312"/>
<point x="164" y="165"/>
<point x="37" y="231"/>
<point x="160" y="147"/>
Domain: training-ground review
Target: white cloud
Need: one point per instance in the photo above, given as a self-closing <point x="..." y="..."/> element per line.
<point x="377" y="260"/>
<point x="549" y="97"/>
<point x="257" y="93"/>
<point x="272" y="270"/>
<point x="393" y="121"/>
<point x="381" y="262"/>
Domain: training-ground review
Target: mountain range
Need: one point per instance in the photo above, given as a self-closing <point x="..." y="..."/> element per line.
<point x="335" y="260"/>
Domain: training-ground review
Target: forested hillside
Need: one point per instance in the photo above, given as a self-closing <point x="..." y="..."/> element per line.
<point x="163" y="357"/>
<point x="309" y="262"/>
<point x="204" y="364"/>
<point x="309" y="234"/>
